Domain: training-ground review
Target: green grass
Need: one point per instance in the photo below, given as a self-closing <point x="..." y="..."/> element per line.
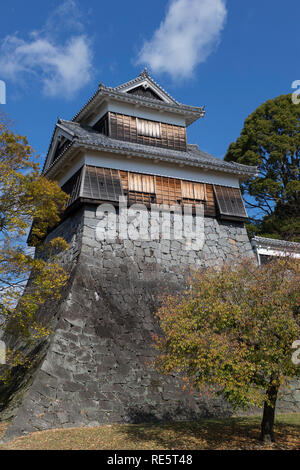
<point x="233" y="433"/>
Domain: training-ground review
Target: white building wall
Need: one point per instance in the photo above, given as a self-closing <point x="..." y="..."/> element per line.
<point x="141" y="112"/>
<point x="143" y="165"/>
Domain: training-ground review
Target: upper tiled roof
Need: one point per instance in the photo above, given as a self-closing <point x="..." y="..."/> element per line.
<point x="169" y="104"/>
<point x="86" y="137"/>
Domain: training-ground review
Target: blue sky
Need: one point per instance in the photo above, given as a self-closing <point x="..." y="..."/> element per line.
<point x="227" y="55"/>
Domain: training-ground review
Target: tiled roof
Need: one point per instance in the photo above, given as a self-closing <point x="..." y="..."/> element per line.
<point x="117" y="93"/>
<point x="275" y="243"/>
<point x="86" y="137"/>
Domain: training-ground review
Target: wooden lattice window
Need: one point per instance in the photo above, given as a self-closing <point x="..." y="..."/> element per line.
<point x="147" y="132"/>
<point x="109" y="184"/>
<point x="168" y="190"/>
<point x="230" y="203"/>
<point x="102" y="183"/>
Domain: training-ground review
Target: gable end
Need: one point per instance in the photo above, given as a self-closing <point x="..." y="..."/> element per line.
<point x="144" y="92"/>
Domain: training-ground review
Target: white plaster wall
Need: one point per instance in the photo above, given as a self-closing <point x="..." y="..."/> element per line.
<point x="142" y="112"/>
<point x="143" y="165"/>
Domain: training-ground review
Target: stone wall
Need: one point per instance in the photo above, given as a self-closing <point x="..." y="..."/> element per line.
<point x="223" y="242"/>
<point x="96" y="367"/>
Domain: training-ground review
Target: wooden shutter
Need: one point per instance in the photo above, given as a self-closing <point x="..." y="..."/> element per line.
<point x="230" y="203"/>
<point x="187" y="190"/>
<point x="148" y="128"/>
<point x="141" y="183"/>
<point x="210" y="204"/>
<point x="195" y="191"/>
<point x="199" y="191"/>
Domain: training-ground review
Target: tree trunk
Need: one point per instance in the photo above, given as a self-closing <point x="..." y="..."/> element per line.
<point x="267" y="425"/>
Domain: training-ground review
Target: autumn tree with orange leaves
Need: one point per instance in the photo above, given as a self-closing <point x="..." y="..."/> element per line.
<point x="25" y="196"/>
<point x="232" y="330"/>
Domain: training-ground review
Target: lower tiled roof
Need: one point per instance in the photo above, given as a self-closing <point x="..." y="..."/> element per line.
<point x="87" y="137"/>
<point x="275" y="243"/>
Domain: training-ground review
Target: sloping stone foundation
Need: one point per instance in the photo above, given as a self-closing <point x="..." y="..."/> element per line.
<point x="96" y="366"/>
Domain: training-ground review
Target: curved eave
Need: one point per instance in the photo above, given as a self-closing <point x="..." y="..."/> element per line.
<point x="190" y="113"/>
<point x="76" y="146"/>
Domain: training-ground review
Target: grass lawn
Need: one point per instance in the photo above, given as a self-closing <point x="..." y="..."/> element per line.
<point x="233" y="433"/>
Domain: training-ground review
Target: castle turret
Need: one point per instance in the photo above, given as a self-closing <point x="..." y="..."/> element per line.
<point x="127" y="146"/>
<point x="131" y="140"/>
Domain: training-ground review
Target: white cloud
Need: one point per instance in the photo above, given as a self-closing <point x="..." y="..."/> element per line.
<point x="185" y="38"/>
<point x="62" y="69"/>
<point x="67" y="15"/>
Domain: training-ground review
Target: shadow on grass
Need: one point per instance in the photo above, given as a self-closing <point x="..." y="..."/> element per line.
<point x="204" y="434"/>
<point x="231" y="433"/>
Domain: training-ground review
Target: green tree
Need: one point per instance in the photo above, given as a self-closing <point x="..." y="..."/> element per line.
<point x="270" y="139"/>
<point x="232" y="330"/>
<point x="25" y="196"/>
